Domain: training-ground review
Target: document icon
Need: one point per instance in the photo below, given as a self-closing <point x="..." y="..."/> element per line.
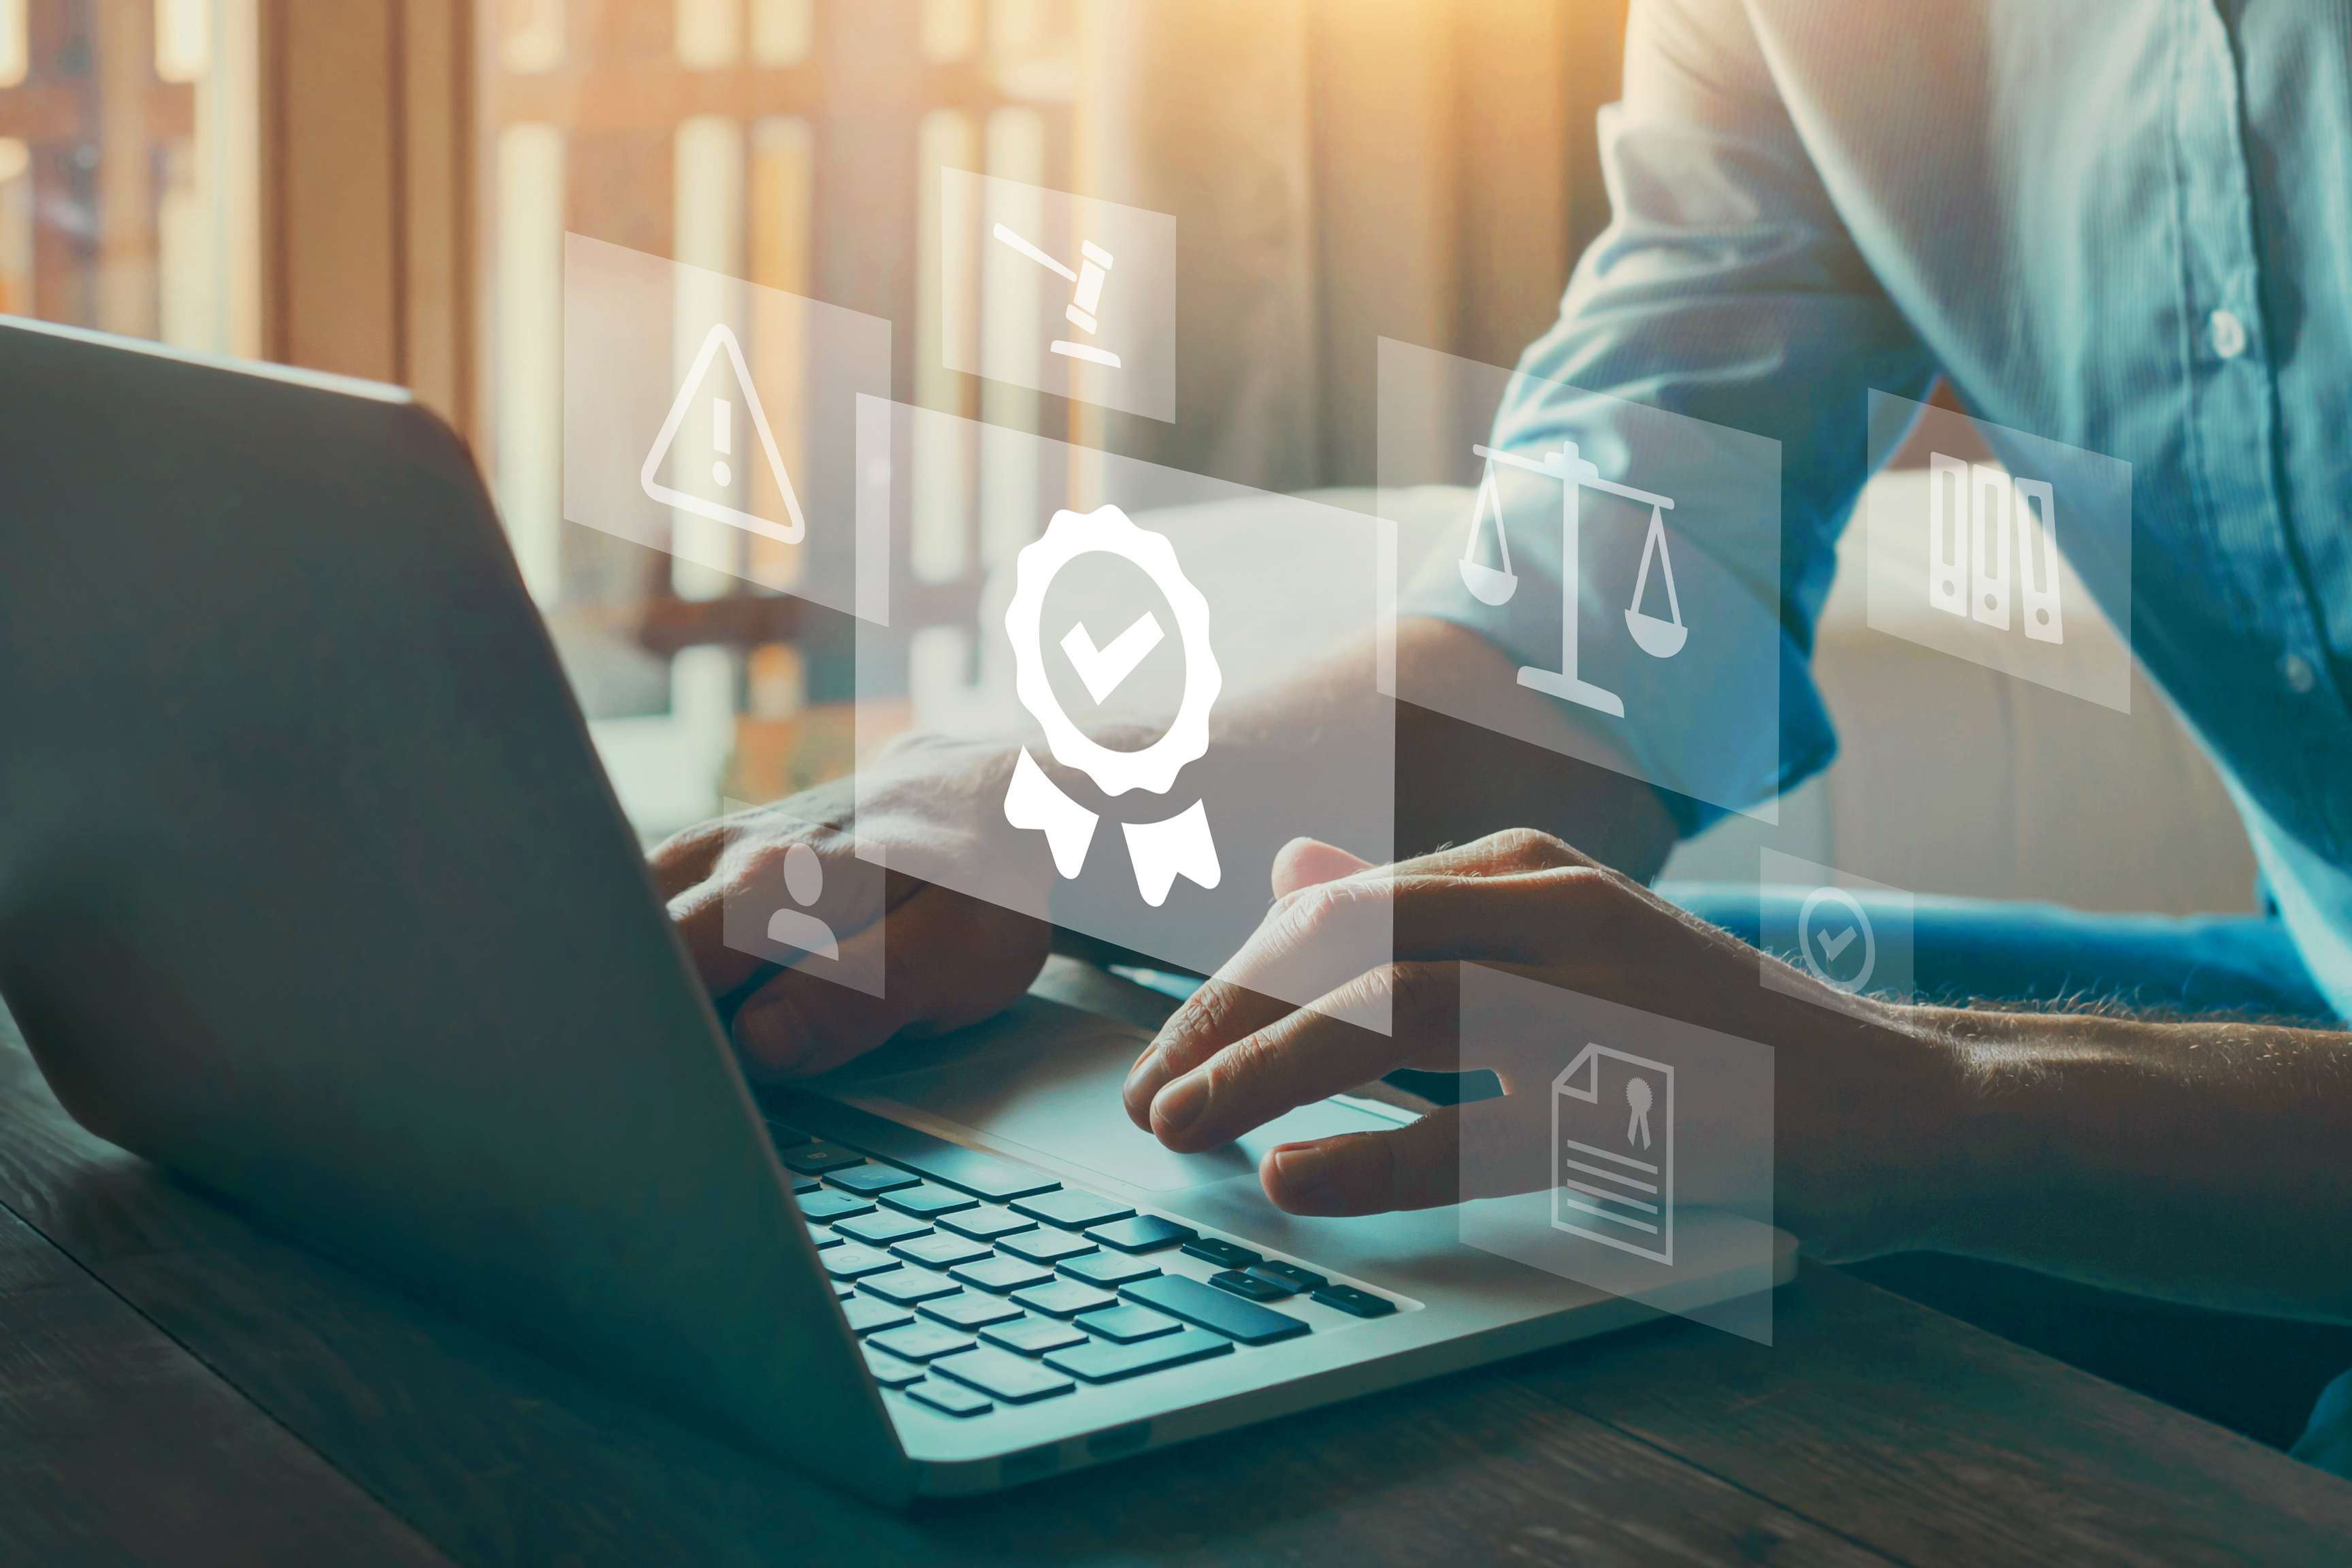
<point x="1612" y="1133"/>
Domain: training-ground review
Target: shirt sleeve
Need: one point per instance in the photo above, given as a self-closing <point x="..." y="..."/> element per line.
<point x="1727" y="289"/>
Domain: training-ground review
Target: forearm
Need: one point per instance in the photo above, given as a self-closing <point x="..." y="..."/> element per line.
<point x="2208" y="1161"/>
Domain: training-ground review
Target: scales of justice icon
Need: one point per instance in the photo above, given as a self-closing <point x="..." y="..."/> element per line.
<point x="1492" y="585"/>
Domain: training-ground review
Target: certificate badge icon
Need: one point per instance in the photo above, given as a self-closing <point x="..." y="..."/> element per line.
<point x="1613" y="1133"/>
<point x="1181" y="845"/>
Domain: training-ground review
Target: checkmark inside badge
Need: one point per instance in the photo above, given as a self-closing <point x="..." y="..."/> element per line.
<point x="1834" y="945"/>
<point x="1104" y="670"/>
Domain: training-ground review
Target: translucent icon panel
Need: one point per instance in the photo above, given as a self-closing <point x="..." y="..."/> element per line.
<point x="715" y="420"/>
<point x="1632" y="1154"/>
<point x="1626" y="559"/>
<point x="1105" y="662"/>
<point x="1847" y="933"/>
<point x="2007" y="549"/>
<point x="1059" y="293"/>
<point x="798" y="892"/>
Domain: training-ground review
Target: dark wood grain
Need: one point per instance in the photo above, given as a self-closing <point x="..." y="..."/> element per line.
<point x="116" y="1446"/>
<point x="1874" y="1430"/>
<point x="1936" y="1442"/>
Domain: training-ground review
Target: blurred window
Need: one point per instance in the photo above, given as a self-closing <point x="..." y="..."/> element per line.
<point x="791" y="143"/>
<point x="128" y="170"/>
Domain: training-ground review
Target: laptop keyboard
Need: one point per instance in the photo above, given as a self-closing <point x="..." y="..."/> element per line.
<point x="974" y="1283"/>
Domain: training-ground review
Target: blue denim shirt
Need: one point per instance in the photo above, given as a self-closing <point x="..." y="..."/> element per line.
<point x="2126" y="226"/>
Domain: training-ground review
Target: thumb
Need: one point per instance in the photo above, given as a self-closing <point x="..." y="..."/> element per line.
<point x="1307" y="862"/>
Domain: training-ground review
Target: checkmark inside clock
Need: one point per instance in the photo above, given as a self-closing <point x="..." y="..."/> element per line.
<point x="1104" y="670"/>
<point x="1834" y="945"/>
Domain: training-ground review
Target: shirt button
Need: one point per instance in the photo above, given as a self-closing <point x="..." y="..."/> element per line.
<point x="2228" y="333"/>
<point x="2298" y="673"/>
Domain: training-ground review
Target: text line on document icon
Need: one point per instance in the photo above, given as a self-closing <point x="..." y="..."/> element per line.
<point x="1612" y="1125"/>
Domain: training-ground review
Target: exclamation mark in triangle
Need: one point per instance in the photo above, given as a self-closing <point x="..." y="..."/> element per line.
<point x="722" y="444"/>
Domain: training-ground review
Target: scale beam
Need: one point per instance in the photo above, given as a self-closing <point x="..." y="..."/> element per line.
<point x="1553" y="467"/>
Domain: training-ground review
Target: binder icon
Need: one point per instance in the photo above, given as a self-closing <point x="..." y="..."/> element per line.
<point x="1947" y="533"/>
<point x="1613" y="1133"/>
<point x="1989" y="545"/>
<point x="2036" y="505"/>
<point x="1985" y="531"/>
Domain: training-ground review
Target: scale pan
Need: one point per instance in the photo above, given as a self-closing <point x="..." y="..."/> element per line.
<point x="1659" y="639"/>
<point x="1490" y="586"/>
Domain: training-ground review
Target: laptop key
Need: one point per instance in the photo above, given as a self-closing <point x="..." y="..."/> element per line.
<point x="806" y="1184"/>
<point x="1044" y="1246"/>
<point x="843" y="1290"/>
<point x="818" y="1159"/>
<point x="1224" y="1254"/>
<point x="908" y="1286"/>
<point x="1108" y="1270"/>
<point x="1127" y="1324"/>
<point x="1360" y="1303"/>
<point x="1210" y="1309"/>
<point x="880" y="1229"/>
<point x="1071" y="1209"/>
<point x="941" y="1251"/>
<point x="982" y="1175"/>
<point x="927" y="1201"/>
<point x="854" y="1260"/>
<point x="921" y="1342"/>
<point x="1032" y="1336"/>
<point x="1289" y="1274"/>
<point x="1144" y="1233"/>
<point x="1252" y="1287"/>
<point x="870" y="1314"/>
<point x="872" y="1181"/>
<point x="986" y="1223"/>
<point x="824" y="1238"/>
<point x="953" y="1398"/>
<point x="1008" y="1377"/>
<point x="1064" y="1298"/>
<point x="824" y="1207"/>
<point x="1100" y="1360"/>
<point x="888" y="1369"/>
<point x="970" y="1310"/>
<point x="1001" y="1275"/>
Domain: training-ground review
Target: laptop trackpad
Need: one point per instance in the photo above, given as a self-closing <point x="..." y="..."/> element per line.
<point x="1044" y="1078"/>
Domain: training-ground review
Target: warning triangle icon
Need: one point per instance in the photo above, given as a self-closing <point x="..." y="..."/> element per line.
<point x="720" y="408"/>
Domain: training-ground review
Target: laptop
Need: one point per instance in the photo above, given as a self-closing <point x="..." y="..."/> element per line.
<point x="312" y="890"/>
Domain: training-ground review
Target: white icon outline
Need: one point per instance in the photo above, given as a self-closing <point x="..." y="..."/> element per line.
<point x="1659" y="639"/>
<point x="1181" y="844"/>
<point x="1814" y="901"/>
<point x="1587" y="1065"/>
<point x="721" y="336"/>
<point x="1086" y="283"/>
<point x="1992" y="538"/>
<point x="1110" y="532"/>
<point x="793" y="926"/>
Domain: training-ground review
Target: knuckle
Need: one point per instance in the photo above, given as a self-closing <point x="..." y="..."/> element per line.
<point x="1531" y="846"/>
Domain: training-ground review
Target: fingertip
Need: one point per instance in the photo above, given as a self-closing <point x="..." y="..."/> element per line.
<point x="1137" y="1093"/>
<point x="1310" y="862"/>
<point x="771" y="1034"/>
<point x="1305" y="1179"/>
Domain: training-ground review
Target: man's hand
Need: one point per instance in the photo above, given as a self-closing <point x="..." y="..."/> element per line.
<point x="1860" y="1094"/>
<point x="950" y="959"/>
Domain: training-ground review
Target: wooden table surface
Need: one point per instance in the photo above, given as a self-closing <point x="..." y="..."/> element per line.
<point x="177" y="1387"/>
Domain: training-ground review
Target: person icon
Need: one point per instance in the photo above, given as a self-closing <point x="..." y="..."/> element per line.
<point x="1637" y="1100"/>
<point x="804" y="879"/>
